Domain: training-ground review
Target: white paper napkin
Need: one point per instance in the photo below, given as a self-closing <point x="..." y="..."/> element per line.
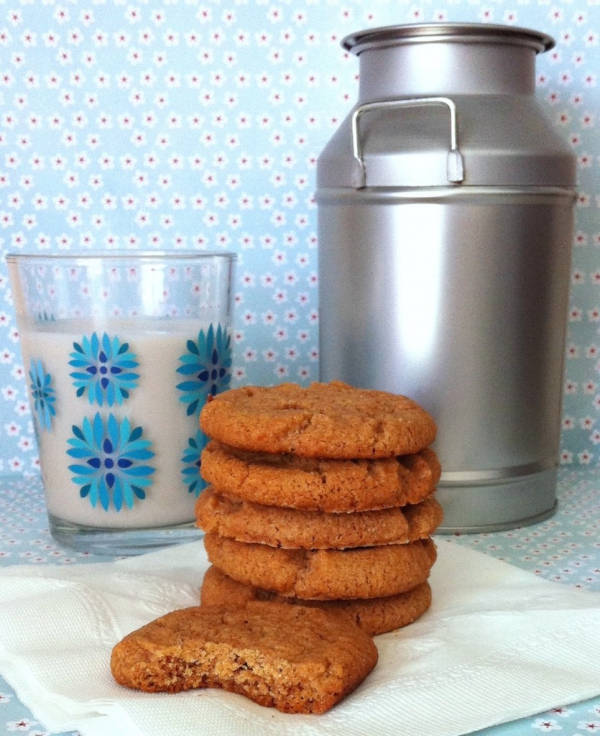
<point x="497" y="644"/>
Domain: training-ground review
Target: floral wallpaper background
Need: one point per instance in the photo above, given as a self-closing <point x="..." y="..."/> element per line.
<point x="188" y="124"/>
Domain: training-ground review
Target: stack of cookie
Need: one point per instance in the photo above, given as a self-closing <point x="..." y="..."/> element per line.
<point x="320" y="496"/>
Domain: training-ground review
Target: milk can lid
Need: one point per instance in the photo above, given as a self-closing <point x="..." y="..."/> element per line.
<point x="446" y="32"/>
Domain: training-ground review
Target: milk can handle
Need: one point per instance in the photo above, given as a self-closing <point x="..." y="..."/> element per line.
<point x="454" y="160"/>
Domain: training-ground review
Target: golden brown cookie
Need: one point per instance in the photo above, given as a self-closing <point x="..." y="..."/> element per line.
<point x="332" y="420"/>
<point x="372" y="615"/>
<point x="335" y="486"/>
<point x="324" y="574"/>
<point x="423" y="518"/>
<point x="295" y="529"/>
<point x="293" y="658"/>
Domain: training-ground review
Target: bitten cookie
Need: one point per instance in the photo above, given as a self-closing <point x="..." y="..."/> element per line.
<point x="325" y="574"/>
<point x="335" y="486"/>
<point x="294" y="529"/>
<point x="332" y="420"/>
<point x="296" y="659"/>
<point x="373" y="615"/>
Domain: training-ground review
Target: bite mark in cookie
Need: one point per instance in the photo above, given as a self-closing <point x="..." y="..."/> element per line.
<point x="293" y="658"/>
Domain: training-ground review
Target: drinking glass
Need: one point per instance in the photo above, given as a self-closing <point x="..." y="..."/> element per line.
<point x="121" y="352"/>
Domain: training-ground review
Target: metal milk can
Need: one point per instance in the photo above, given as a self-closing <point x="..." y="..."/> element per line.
<point x="445" y="217"/>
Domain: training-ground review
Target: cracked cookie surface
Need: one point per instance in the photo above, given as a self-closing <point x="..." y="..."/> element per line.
<point x="372" y="615"/>
<point x="326" y="420"/>
<point x="325" y="574"/>
<point x="317" y="484"/>
<point x="295" y="529"/>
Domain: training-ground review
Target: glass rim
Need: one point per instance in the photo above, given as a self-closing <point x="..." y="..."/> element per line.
<point x="120" y="255"/>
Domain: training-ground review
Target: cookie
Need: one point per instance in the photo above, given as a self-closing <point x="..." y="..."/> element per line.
<point x="332" y="420"/>
<point x="335" y="486"/>
<point x="293" y="658"/>
<point x="294" y="529"/>
<point x="373" y="615"/>
<point x="325" y="574"/>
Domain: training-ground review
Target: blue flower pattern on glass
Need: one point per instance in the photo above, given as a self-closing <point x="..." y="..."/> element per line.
<point x="207" y="367"/>
<point x="105" y="369"/>
<point x="191" y="463"/>
<point x="42" y="393"/>
<point x="113" y="459"/>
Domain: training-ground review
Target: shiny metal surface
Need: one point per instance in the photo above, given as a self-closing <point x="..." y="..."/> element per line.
<point x="481" y="477"/>
<point x="454" y="294"/>
<point x="446" y="59"/>
<point x="494" y="508"/>
<point x="504" y="141"/>
<point x="443" y="303"/>
<point x="454" y="160"/>
<point x="460" y="303"/>
<point x="488" y="33"/>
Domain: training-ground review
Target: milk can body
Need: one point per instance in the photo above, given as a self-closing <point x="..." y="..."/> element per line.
<point x="445" y="206"/>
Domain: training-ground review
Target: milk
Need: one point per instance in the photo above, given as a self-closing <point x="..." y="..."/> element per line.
<point x="159" y="424"/>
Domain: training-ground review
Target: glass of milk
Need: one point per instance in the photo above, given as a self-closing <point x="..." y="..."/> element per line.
<point x="121" y="351"/>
